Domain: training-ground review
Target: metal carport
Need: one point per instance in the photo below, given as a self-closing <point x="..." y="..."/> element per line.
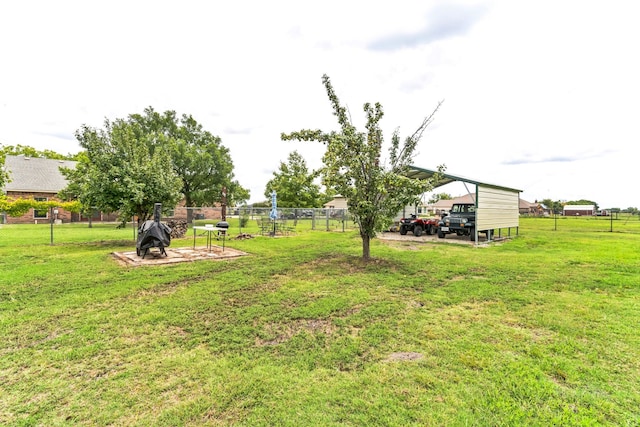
<point x="497" y="207"/>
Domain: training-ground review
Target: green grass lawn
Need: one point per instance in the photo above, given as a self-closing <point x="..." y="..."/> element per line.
<point x="540" y="330"/>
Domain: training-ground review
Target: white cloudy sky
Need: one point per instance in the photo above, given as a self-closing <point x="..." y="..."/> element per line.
<point x="542" y="96"/>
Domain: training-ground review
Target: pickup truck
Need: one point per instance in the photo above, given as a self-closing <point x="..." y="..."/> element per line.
<point x="462" y="221"/>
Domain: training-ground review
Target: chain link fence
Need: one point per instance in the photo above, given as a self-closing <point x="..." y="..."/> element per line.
<point x="243" y="220"/>
<point x="621" y="222"/>
<point x="258" y="220"/>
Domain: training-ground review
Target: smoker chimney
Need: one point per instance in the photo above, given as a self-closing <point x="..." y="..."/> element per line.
<point x="157" y="209"/>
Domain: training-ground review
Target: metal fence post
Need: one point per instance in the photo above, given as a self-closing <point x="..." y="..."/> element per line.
<point x="611" y="224"/>
<point x="51" y="222"/>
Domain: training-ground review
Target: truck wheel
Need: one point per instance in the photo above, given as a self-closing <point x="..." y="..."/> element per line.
<point x="472" y="235"/>
<point x="417" y="231"/>
<point x="440" y="234"/>
<point x="403" y="230"/>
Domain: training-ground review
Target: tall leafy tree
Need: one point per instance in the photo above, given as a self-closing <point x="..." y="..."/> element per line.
<point x="353" y="167"/>
<point x="198" y="157"/>
<point x="123" y="171"/>
<point x="79" y="184"/>
<point x="295" y="185"/>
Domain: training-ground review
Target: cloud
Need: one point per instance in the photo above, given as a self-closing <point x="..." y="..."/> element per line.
<point x="238" y="131"/>
<point x="557" y="158"/>
<point x="442" y="22"/>
<point x="68" y="136"/>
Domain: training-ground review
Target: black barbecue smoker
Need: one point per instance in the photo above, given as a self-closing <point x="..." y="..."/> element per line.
<point x="153" y="234"/>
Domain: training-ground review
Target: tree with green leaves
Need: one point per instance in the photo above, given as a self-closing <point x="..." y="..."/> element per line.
<point x="198" y="157"/>
<point x="553" y="206"/>
<point x="201" y="164"/>
<point x="124" y="170"/>
<point x="353" y="167"/>
<point x="295" y="185"/>
<point x="4" y="175"/>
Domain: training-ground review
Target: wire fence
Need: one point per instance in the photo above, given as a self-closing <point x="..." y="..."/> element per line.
<point x="616" y="222"/>
<point x="245" y="220"/>
<point x="287" y="221"/>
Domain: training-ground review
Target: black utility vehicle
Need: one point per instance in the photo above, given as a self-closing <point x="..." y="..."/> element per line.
<point x="462" y="221"/>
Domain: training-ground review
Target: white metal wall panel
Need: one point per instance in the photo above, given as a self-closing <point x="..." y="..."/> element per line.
<point x="497" y="208"/>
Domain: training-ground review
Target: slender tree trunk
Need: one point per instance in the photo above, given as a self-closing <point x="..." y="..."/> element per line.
<point x="187" y="203"/>
<point x="366" y="252"/>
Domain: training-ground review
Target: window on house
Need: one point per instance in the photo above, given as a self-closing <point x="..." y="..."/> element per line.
<point x="40" y="214"/>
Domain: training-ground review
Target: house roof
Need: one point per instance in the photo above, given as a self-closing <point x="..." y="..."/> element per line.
<point x="446" y="204"/>
<point x="33" y="174"/>
<point x="526" y="205"/>
<point x="445" y="178"/>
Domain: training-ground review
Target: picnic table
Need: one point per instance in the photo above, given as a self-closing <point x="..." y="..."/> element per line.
<point x="209" y="230"/>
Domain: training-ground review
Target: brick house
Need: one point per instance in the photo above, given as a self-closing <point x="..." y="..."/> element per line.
<point x="578" y="210"/>
<point x="40" y="179"/>
<point x="532" y="209"/>
<point x="35" y="178"/>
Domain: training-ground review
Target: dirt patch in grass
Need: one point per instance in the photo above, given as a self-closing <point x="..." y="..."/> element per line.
<point x="279" y="333"/>
<point x="348" y="264"/>
<point x="404" y="357"/>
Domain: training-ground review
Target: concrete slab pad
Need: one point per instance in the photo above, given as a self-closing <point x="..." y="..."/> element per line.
<point x="450" y="238"/>
<point x="174" y="255"/>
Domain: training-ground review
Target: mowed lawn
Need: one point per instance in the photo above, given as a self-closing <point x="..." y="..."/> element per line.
<point x="541" y="330"/>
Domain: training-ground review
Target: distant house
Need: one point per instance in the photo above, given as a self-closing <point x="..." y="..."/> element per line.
<point x="444" y="206"/>
<point x="578" y="210"/>
<point x="39" y="179"/>
<point x="35" y="178"/>
<point x="532" y="209"/>
<point x="338" y="202"/>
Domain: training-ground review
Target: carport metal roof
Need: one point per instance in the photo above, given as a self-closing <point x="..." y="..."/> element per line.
<point x="445" y="178"/>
